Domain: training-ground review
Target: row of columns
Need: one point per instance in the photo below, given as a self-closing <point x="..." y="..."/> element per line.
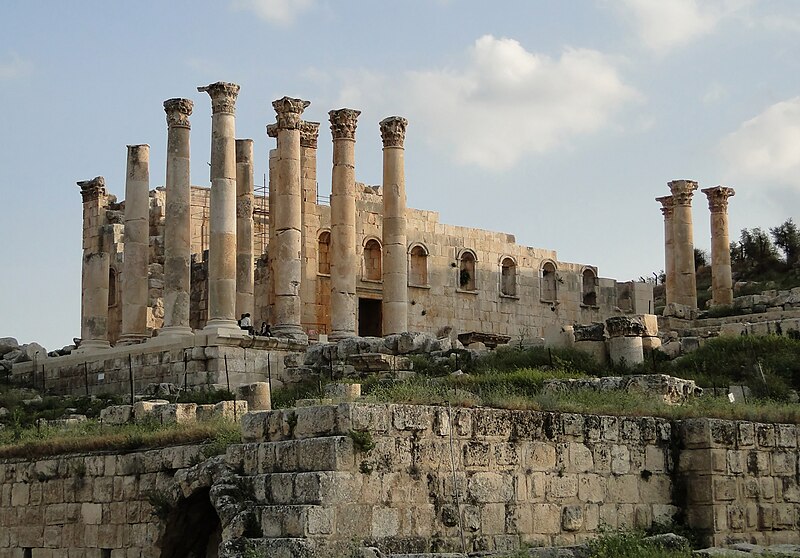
<point x="230" y="274"/>
<point x="679" y="266"/>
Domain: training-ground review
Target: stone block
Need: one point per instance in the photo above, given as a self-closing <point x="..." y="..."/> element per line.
<point x="572" y="518"/>
<point x="559" y="487"/>
<point x="546" y="518"/>
<point x="116" y="414"/>
<point x="231" y="410"/>
<point x="142" y="410"/>
<point x="176" y="413"/>
<point x="343" y="391"/>
<point x="257" y="395"/>
<point x="487" y="487"/>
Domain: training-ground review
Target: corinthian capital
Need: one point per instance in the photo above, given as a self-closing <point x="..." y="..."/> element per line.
<point x="272" y="130"/>
<point x="178" y="112"/>
<point x="667" y="205"/>
<point x="343" y="123"/>
<point x="223" y="96"/>
<point x="92" y="189"/>
<point x="393" y="131"/>
<point x="309" y="132"/>
<point x="718" y="198"/>
<point x="288" y="111"/>
<point x="682" y="191"/>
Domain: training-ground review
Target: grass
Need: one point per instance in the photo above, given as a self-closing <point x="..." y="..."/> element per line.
<point x="627" y="544"/>
<point x="92" y="436"/>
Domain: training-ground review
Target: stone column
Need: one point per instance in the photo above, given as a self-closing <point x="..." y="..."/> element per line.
<point x="178" y="224"/>
<point x="683" y="238"/>
<point x="244" y="227"/>
<point x="95" y="268"/>
<point x="344" y="258"/>
<point x="309" y="133"/>
<point x="669" y="248"/>
<point x="625" y="340"/>
<point x="137" y="245"/>
<point x="287" y="212"/>
<point x="395" y="263"/>
<point x="222" y="229"/>
<point x="272" y="132"/>
<point x="721" y="278"/>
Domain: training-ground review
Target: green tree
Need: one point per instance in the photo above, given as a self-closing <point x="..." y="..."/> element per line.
<point x="787" y="238"/>
<point x="755" y="251"/>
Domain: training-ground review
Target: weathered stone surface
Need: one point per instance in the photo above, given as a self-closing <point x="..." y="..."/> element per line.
<point x="673" y="390"/>
<point x="117" y="414"/>
<point x="8" y="344"/>
<point x="592" y="332"/>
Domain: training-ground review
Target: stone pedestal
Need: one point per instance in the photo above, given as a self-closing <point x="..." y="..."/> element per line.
<point x="177" y="227"/>
<point x="244" y="227"/>
<point x="669" y="247"/>
<point x="257" y="395"/>
<point x="683" y="238"/>
<point x="344" y="259"/>
<point x="286" y="212"/>
<point x="625" y="340"/>
<point x="222" y="227"/>
<point x="721" y="278"/>
<point x="137" y="245"/>
<point x="95" y="268"/>
<point x="395" y="260"/>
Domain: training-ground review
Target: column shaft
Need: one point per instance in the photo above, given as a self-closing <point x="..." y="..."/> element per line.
<point x="721" y="275"/>
<point x="669" y="248"/>
<point x="222" y="229"/>
<point x="137" y="245"/>
<point x="344" y="258"/>
<point x="395" y="261"/>
<point x="683" y="238"/>
<point x="244" y="227"/>
<point x="177" y="225"/>
<point x="287" y="213"/>
<point x="309" y="133"/>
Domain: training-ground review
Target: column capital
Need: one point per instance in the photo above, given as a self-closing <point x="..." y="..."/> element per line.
<point x="343" y="123"/>
<point x="667" y="205"/>
<point x="682" y="191"/>
<point x="393" y="131"/>
<point x="223" y="96"/>
<point x="288" y="111"/>
<point x="178" y="112"/>
<point x="718" y="198"/>
<point x="272" y="130"/>
<point x="309" y="132"/>
<point x="92" y="189"/>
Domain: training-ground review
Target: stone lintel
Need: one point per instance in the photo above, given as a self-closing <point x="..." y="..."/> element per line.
<point x="667" y="205"/>
<point x="93" y="189"/>
<point x="718" y="198"/>
<point x="178" y="112"/>
<point x="288" y="111"/>
<point x="223" y="96"/>
<point x="309" y="132"/>
<point x="682" y="191"/>
<point x="343" y="123"/>
<point x="393" y="131"/>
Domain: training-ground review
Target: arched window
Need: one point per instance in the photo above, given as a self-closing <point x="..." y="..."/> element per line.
<point x="112" y="287"/>
<point x="466" y="271"/>
<point x="508" y="277"/>
<point x="589" y="290"/>
<point x="324" y="253"/>
<point x="372" y="260"/>
<point x="549" y="292"/>
<point x="418" y="266"/>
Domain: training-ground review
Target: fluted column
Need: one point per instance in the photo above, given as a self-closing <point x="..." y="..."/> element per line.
<point x="344" y="259"/>
<point x="137" y="245"/>
<point x="721" y="277"/>
<point x="222" y="230"/>
<point x="683" y="238"/>
<point x="244" y="227"/>
<point x="94" y="269"/>
<point x="178" y="224"/>
<point x="669" y="247"/>
<point x="395" y="265"/>
<point x="309" y="133"/>
<point x="287" y="212"/>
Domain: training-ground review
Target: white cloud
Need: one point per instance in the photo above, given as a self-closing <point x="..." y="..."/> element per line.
<point x="503" y="103"/>
<point x="279" y="12"/>
<point x="665" y="24"/>
<point x="765" y="147"/>
<point x="12" y="66"/>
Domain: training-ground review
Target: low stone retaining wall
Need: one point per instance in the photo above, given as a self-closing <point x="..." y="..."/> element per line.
<point x="316" y="482"/>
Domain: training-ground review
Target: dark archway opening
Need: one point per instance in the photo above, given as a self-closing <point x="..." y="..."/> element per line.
<point x="193" y="529"/>
<point x="369" y="317"/>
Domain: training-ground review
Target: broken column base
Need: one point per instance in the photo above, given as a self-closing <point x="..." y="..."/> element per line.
<point x="626" y="350"/>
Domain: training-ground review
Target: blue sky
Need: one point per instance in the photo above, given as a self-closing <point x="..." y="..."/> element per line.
<point x="558" y="122"/>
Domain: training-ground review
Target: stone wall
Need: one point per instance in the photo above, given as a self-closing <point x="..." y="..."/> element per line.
<point x="315" y="482"/>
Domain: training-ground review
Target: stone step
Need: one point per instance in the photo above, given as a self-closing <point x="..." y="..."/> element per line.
<point x="332" y="453"/>
<point x="308" y="488"/>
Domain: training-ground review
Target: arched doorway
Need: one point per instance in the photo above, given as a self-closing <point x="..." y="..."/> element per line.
<point x="193" y="529"/>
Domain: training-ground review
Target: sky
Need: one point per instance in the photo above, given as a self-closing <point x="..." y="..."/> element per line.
<point x="558" y="122"/>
